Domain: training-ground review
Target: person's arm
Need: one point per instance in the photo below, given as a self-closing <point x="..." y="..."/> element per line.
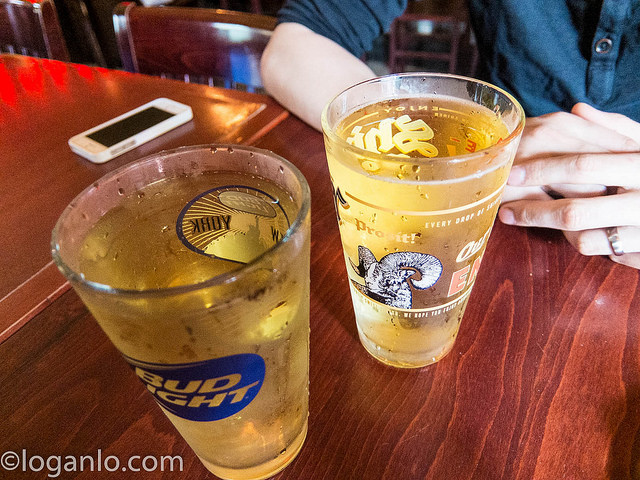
<point x="304" y="70"/>
<point x="591" y="158"/>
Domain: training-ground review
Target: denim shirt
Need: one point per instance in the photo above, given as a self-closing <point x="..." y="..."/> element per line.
<point x="550" y="54"/>
<point x="554" y="53"/>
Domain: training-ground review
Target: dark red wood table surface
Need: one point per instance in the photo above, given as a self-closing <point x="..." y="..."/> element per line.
<point x="43" y="104"/>
<point x="542" y="383"/>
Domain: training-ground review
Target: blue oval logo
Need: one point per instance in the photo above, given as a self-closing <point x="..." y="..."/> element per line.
<point x="204" y="391"/>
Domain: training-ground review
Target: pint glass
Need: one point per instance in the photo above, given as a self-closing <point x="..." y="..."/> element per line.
<point x="418" y="164"/>
<point x="195" y="263"/>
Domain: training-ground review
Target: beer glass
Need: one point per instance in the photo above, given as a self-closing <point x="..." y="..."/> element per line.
<point x="418" y="164"/>
<point x="195" y="263"/>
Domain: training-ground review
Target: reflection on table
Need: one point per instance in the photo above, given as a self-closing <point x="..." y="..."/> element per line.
<point x="44" y="103"/>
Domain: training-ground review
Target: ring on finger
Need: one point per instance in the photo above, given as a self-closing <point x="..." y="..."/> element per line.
<point x="614" y="241"/>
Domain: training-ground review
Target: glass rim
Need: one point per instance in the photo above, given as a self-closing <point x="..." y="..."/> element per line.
<point x="224" y="278"/>
<point x="342" y="143"/>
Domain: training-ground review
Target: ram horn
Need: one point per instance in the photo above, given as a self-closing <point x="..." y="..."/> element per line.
<point x="429" y="267"/>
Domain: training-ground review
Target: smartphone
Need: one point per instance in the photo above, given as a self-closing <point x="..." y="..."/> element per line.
<point x="119" y="135"/>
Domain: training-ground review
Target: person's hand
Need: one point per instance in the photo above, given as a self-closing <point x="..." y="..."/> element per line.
<point x="592" y="160"/>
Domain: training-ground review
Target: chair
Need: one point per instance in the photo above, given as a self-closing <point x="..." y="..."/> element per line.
<point x="263" y="7"/>
<point x="214" y="47"/>
<point x="418" y="39"/>
<point x="79" y="32"/>
<point x="255" y="6"/>
<point x="31" y="29"/>
<point x="433" y="35"/>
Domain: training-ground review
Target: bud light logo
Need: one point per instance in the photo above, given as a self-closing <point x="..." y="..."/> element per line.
<point x="204" y="391"/>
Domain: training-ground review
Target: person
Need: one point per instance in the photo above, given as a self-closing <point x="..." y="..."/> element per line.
<point x="571" y="65"/>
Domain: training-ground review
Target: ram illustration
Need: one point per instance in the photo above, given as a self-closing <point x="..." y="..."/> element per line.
<point x="387" y="280"/>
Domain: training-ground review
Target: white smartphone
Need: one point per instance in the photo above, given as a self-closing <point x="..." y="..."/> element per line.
<point x="129" y="130"/>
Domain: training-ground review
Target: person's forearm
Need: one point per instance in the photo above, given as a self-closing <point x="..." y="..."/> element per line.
<point x="304" y="70"/>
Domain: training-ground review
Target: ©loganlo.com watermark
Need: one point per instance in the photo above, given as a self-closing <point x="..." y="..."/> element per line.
<point x="55" y="465"/>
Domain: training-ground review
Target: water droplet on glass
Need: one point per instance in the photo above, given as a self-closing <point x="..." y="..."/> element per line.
<point x="121" y="191"/>
<point x="370" y="166"/>
<point x="281" y="169"/>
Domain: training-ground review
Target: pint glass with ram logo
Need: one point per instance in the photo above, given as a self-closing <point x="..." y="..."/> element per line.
<point x="418" y="164"/>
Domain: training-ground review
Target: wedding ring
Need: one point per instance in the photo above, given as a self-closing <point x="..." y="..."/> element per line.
<point x="614" y="240"/>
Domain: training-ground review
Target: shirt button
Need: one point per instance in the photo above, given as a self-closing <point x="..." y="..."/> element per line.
<point x="604" y="45"/>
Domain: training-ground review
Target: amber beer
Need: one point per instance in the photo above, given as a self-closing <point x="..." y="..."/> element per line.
<point x="195" y="263"/>
<point x="418" y="164"/>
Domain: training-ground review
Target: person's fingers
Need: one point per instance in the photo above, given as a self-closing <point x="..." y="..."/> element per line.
<point x="567" y="190"/>
<point x="574" y="214"/>
<point x="614" y="121"/>
<point x="561" y="132"/>
<point x="619" y="169"/>
<point x="512" y="194"/>
<point x="547" y="192"/>
<point x="596" y="242"/>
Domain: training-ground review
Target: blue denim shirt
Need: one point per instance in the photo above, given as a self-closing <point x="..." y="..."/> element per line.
<point x="550" y="54"/>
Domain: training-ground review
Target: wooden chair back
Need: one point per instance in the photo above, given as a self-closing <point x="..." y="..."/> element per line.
<point x="433" y="35"/>
<point x="422" y="38"/>
<point x="214" y="47"/>
<point x="31" y="28"/>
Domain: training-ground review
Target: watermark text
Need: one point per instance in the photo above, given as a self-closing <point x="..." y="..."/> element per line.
<point x="55" y="465"/>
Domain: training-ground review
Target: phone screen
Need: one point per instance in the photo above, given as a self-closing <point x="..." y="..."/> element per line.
<point x="127" y="127"/>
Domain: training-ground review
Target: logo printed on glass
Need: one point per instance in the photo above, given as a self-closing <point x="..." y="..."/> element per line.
<point x="204" y="391"/>
<point x="389" y="280"/>
<point x="234" y="222"/>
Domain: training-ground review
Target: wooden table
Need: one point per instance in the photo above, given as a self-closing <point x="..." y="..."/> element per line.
<point x="42" y="105"/>
<point x="543" y="381"/>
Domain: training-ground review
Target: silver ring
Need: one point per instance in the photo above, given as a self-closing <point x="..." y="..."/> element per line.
<point x="614" y="240"/>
